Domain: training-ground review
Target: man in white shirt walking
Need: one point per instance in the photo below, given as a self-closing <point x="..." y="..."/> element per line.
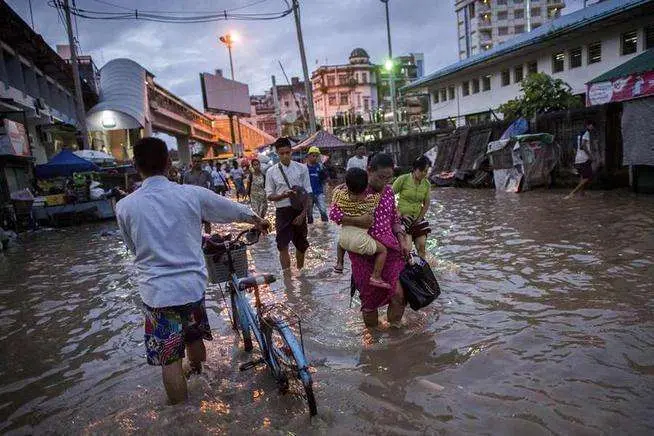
<point x="288" y="184"/>
<point x="359" y="160"/>
<point x="583" y="160"/>
<point x="160" y="223"/>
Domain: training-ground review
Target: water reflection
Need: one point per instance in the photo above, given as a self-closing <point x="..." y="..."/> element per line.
<point x="544" y="325"/>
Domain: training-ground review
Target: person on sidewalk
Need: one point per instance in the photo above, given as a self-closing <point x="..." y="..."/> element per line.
<point x="318" y="175"/>
<point x="359" y="160"/>
<point x="160" y="224"/>
<point x="583" y="160"/>
<point x="288" y="185"/>
<point x="219" y="182"/>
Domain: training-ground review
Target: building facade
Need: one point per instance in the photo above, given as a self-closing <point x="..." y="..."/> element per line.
<point x="574" y="48"/>
<point x="345" y="94"/>
<point x="292" y="105"/>
<point x="483" y="24"/>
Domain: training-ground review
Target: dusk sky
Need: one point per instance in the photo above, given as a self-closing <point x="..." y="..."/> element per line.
<point x="176" y="53"/>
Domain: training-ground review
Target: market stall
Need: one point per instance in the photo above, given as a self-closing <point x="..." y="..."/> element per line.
<point x="632" y="84"/>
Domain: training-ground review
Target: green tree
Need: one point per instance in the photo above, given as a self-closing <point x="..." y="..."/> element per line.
<point x="540" y="94"/>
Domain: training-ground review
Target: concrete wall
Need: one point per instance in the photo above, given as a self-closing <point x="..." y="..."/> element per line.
<point x="576" y="78"/>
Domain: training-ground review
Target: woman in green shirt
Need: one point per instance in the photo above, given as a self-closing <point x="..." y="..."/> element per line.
<point x="413" y="190"/>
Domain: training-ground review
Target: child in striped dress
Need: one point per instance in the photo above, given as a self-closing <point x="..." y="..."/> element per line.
<point x="354" y="202"/>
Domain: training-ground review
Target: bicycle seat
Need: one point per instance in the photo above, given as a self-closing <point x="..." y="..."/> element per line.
<point x="255" y="280"/>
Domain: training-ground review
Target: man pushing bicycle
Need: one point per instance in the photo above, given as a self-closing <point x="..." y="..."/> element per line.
<point x="161" y="224"/>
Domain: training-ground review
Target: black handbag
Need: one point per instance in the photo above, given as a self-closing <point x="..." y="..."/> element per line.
<point x="300" y="198"/>
<point x="419" y="283"/>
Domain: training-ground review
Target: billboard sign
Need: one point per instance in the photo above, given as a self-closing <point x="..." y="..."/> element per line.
<point x="225" y="96"/>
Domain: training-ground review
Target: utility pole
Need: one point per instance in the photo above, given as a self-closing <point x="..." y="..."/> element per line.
<point x="278" y="115"/>
<point x="81" y="112"/>
<point x="228" y="40"/>
<point x="391" y="73"/>
<point x="305" y="69"/>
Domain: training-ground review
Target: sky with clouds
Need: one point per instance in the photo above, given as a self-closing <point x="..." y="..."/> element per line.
<point x="177" y="53"/>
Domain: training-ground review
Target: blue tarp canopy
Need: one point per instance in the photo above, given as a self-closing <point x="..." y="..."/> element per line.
<point x="64" y="165"/>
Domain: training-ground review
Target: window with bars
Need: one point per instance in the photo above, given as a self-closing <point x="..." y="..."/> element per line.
<point x="575" y="58"/>
<point x="503" y="31"/>
<point x="629" y="42"/>
<point x="332" y="100"/>
<point x="450" y="91"/>
<point x="475" y="86"/>
<point x="443" y="94"/>
<point x="594" y="53"/>
<point x="364" y="77"/>
<point x="331" y="81"/>
<point x="465" y="88"/>
<point x="558" y="62"/>
<point x="535" y="12"/>
<point x="502" y="15"/>
<point x="518" y="74"/>
<point x="519" y="14"/>
<point x="506" y="78"/>
<point x="486" y="83"/>
<point x="532" y="68"/>
<point x="649" y="37"/>
<point x="345" y="98"/>
<point x="519" y="29"/>
<point x="434" y="96"/>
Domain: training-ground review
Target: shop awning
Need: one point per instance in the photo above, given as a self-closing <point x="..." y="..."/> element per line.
<point x="321" y="139"/>
<point x="633" y="79"/>
<point x="64" y="165"/>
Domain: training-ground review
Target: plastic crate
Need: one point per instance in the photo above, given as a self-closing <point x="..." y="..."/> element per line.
<point x="218" y="268"/>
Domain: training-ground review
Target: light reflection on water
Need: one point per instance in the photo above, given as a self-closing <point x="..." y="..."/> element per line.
<point x="544" y="325"/>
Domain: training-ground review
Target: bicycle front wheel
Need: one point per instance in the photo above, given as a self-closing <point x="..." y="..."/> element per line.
<point x="287" y="360"/>
<point x="239" y="323"/>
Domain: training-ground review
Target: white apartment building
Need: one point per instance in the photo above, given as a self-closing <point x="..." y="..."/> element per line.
<point x="574" y="48"/>
<point x="348" y="90"/>
<point x="483" y="24"/>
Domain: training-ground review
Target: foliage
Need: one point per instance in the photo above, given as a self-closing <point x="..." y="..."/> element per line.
<point x="540" y="94"/>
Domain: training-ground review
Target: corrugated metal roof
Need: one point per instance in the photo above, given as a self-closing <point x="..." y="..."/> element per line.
<point x="641" y="63"/>
<point x="548" y="30"/>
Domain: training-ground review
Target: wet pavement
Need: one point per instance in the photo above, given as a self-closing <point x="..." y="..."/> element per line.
<point x="545" y="325"/>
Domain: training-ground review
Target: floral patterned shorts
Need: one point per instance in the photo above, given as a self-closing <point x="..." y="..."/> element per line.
<point x="169" y="329"/>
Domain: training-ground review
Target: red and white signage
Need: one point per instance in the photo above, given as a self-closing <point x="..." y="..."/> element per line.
<point x="621" y="89"/>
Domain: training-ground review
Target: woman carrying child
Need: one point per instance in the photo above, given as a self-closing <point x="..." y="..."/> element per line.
<point x="384" y="226"/>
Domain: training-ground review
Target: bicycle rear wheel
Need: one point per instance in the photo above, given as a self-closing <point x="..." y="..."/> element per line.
<point x="287" y="360"/>
<point x="239" y="323"/>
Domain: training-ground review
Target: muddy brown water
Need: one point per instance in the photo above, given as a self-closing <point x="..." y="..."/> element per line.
<point x="545" y="325"/>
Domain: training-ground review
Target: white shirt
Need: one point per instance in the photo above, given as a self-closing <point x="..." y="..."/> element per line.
<point x="357" y="162"/>
<point x="217" y="178"/>
<point x="161" y="224"/>
<point x="297" y="174"/>
<point x="581" y="156"/>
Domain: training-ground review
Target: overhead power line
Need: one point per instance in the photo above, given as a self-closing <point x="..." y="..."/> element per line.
<point x="183" y="17"/>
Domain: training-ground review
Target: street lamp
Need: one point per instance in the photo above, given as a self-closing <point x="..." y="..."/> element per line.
<point x="229" y="40"/>
<point x="389" y="67"/>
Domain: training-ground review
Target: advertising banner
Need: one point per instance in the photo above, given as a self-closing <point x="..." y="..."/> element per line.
<point x="14" y="140"/>
<point x="621" y="89"/>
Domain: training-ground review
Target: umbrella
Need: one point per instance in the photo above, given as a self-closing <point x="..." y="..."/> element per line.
<point x="321" y="139"/>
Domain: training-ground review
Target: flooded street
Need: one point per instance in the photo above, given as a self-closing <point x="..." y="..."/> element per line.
<point x="545" y="325"/>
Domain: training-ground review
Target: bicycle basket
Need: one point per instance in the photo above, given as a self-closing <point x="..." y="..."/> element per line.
<point x="218" y="264"/>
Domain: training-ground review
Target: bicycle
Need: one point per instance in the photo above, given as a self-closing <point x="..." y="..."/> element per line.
<point x="279" y="346"/>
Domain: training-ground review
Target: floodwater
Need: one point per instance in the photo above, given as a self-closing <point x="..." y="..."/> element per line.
<point x="545" y="325"/>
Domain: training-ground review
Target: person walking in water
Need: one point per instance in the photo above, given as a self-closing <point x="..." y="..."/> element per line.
<point x="583" y="160"/>
<point x="160" y="224"/>
<point x="288" y="185"/>
<point x="318" y="175"/>
<point x="359" y="160"/>
<point x="414" y="192"/>
<point x="199" y="177"/>
<point x="256" y="189"/>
